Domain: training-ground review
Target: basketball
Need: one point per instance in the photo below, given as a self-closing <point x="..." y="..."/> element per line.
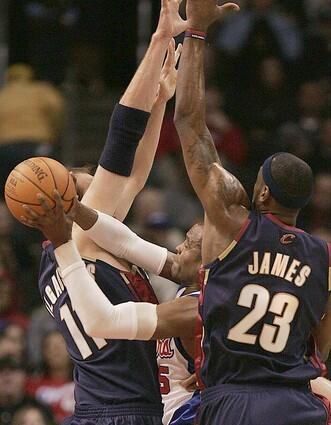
<point x="38" y="175"/>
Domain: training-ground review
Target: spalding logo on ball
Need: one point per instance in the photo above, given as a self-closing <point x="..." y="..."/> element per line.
<point x="38" y="175"/>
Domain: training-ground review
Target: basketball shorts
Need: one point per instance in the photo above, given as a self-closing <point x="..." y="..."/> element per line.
<point x="231" y="404"/>
<point x="115" y="416"/>
<point x="187" y="413"/>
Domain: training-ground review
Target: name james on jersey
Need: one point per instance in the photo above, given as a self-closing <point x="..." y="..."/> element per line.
<point x="279" y="265"/>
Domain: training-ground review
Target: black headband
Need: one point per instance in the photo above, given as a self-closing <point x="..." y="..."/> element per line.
<point x="276" y="192"/>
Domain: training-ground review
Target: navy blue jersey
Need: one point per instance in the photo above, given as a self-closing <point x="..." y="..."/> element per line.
<point x="260" y="301"/>
<point x="107" y="372"/>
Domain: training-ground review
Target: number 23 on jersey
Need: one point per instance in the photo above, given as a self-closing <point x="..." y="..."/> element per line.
<point x="273" y="337"/>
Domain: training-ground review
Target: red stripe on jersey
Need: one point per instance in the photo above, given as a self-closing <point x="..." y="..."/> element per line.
<point x="243" y="229"/>
<point x="140" y="287"/>
<point x="283" y="225"/>
<point x="329" y="249"/>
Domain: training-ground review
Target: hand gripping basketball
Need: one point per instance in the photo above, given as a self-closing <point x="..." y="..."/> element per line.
<point x="38" y="175"/>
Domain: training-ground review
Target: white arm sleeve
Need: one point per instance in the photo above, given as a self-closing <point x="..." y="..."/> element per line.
<point x="99" y="317"/>
<point x="116" y="238"/>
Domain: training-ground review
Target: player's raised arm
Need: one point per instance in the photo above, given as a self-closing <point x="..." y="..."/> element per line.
<point x="145" y="153"/>
<point x="130" y="117"/>
<point x="216" y="188"/>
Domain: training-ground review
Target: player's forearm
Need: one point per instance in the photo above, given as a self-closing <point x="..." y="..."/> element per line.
<point x="143" y="160"/>
<point x="142" y="90"/>
<point x="116" y="238"/>
<point x="197" y="144"/>
<point x="99" y="317"/>
<point x="190" y="96"/>
<point x="147" y="147"/>
<point x="176" y="318"/>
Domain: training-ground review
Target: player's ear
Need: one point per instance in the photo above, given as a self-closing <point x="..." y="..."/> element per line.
<point x="265" y="194"/>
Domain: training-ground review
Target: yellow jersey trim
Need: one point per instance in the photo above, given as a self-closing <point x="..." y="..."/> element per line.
<point x="227" y="250"/>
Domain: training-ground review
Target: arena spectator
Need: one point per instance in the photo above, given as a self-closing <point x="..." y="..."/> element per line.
<point x="41" y="324"/>
<point x="12" y="340"/>
<point x="32" y="414"/>
<point x="318" y="213"/>
<point x="260" y="30"/>
<point x="322" y="159"/>
<point x="54" y="387"/>
<point x="229" y="140"/>
<point x="31" y="118"/>
<point x="12" y="388"/>
<point x="10" y="300"/>
<point x="317" y="54"/>
<point x="8" y="259"/>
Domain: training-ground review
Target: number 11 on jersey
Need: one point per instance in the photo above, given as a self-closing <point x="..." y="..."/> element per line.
<point x="76" y="334"/>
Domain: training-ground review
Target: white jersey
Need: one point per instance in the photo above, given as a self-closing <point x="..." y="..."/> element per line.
<point x="175" y="366"/>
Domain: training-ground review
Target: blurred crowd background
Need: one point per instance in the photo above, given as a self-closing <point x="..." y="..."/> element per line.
<point x="63" y="66"/>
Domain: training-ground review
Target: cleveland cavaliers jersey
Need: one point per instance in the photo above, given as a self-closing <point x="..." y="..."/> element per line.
<point x="260" y="301"/>
<point x="175" y="366"/>
<point x="106" y="372"/>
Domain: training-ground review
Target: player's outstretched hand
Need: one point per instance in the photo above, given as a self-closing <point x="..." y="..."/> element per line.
<point x="170" y="22"/>
<point x="168" y="79"/>
<point x="54" y="223"/>
<point x="202" y="13"/>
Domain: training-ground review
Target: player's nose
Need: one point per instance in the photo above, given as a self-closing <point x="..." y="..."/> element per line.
<point x="179" y="248"/>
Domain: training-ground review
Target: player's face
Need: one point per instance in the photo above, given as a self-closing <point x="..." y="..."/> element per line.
<point x="188" y="260"/>
<point x="82" y="182"/>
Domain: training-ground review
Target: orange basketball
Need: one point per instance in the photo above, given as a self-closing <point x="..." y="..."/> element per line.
<point x="38" y="175"/>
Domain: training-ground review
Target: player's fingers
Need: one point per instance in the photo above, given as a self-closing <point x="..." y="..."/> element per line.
<point x="44" y="204"/>
<point x="178" y="53"/>
<point x="58" y="202"/>
<point x="29" y="222"/>
<point x="170" y="56"/>
<point x="172" y="48"/>
<point x="30" y="213"/>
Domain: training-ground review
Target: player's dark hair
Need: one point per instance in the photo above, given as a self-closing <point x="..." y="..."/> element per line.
<point x="292" y="175"/>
